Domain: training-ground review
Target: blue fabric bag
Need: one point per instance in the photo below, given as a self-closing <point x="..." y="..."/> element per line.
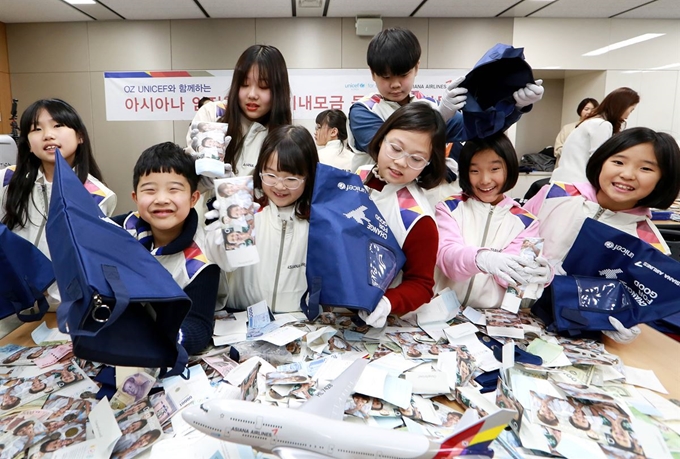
<point x="352" y="255"/>
<point x="490" y="84"/>
<point x="612" y="273"/>
<point x="25" y="273"/>
<point x="119" y="304"/>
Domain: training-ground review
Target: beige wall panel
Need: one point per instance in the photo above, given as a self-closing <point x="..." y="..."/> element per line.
<point x="538" y="128"/>
<point x="675" y="127"/>
<point x="74" y="88"/>
<point x="5" y="103"/>
<point x="118" y="144"/>
<point x="657" y="52"/>
<point x="577" y="88"/>
<point x="4" y="58"/>
<point x="561" y="42"/>
<point x="460" y="43"/>
<point x="52" y="47"/>
<point x="138" y="45"/>
<point x="211" y="44"/>
<point x="306" y="43"/>
<point x="657" y="96"/>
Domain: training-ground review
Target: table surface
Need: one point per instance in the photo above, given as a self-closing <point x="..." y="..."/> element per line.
<point x="650" y="351"/>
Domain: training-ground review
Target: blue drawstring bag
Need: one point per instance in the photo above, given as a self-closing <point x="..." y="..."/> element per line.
<point x="352" y="255"/>
<point x="119" y="304"/>
<point x="612" y="273"/>
<point x="490" y="84"/>
<point x="25" y="274"/>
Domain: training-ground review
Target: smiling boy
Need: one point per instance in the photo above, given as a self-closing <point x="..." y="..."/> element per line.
<point x="165" y="191"/>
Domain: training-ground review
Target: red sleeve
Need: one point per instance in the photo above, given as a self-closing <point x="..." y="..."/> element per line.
<point x="417" y="282"/>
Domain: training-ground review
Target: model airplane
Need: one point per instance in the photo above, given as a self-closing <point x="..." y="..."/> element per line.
<point x="316" y="430"/>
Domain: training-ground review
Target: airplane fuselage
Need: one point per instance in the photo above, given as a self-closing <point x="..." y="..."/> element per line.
<point x="266" y="428"/>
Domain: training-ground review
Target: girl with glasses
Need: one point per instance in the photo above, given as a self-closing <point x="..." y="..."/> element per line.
<point x="409" y="151"/>
<point x="283" y="181"/>
<point x="481" y="232"/>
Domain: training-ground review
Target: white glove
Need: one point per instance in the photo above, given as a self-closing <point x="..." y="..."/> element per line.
<point x="379" y="315"/>
<point x="557" y="268"/>
<point x="530" y="94"/>
<point x="507" y="267"/>
<point x="622" y="334"/>
<point x="538" y="273"/>
<point x="453" y="99"/>
<point x="214" y="245"/>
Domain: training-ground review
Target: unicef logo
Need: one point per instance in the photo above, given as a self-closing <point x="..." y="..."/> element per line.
<point x="342" y="186"/>
<point x="608" y="244"/>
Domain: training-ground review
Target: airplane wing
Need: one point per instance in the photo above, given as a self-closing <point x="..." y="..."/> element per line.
<point x="293" y="453"/>
<point x="329" y="401"/>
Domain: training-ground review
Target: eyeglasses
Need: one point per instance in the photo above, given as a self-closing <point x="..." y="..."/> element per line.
<point x="416" y="162"/>
<point x="290" y="183"/>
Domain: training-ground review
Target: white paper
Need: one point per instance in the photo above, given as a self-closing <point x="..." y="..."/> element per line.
<point x="394" y="364"/>
<point x="43" y="335"/>
<point x="474" y="316"/>
<point x="644" y="378"/>
<point x="429" y="383"/>
<point x="282" y="335"/>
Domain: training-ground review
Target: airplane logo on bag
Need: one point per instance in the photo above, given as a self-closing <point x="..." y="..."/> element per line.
<point x="610" y="273"/>
<point x="358" y="215"/>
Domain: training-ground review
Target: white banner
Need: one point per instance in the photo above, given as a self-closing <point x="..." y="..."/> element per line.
<point x="152" y="96"/>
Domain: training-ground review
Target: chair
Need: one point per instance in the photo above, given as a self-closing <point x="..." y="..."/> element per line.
<point x="535" y="188"/>
<point x="8" y="151"/>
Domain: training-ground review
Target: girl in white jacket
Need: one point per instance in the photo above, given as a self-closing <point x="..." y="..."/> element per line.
<point x="330" y="135"/>
<point x="481" y="231"/>
<point x="46" y="125"/>
<point x="631" y="172"/>
<point x="259" y="98"/>
<point x="284" y="178"/>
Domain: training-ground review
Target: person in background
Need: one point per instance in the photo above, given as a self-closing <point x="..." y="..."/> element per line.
<point x="48" y="125"/>
<point x="584" y="109"/>
<point x="203" y="101"/>
<point x="260" y="95"/>
<point x="393" y="57"/>
<point x="627" y="175"/>
<point x="409" y="152"/>
<point x="165" y="188"/>
<point x="330" y="136"/>
<point x="481" y="232"/>
<point x="607" y="119"/>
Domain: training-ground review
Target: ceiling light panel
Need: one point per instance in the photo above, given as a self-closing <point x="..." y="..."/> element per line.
<point x="12" y="11"/>
<point x="463" y="8"/>
<point x="591" y="9"/>
<point x="137" y="10"/>
<point x="384" y="8"/>
<point x="248" y="8"/>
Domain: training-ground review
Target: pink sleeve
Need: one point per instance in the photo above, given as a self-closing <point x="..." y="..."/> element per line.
<point x="514" y="247"/>
<point x="534" y="204"/>
<point x="455" y="258"/>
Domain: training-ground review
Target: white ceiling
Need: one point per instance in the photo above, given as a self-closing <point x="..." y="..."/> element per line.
<point x="16" y="11"/>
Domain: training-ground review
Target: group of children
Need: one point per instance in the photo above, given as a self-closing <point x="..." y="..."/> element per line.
<point x="470" y="241"/>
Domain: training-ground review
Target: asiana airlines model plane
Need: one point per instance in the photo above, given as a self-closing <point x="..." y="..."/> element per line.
<point x="316" y="430"/>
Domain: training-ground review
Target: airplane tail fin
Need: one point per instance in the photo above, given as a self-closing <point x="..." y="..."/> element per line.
<point x="476" y="438"/>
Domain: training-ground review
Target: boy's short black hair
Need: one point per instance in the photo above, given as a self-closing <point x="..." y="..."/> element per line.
<point x="393" y="51"/>
<point x="499" y="144"/>
<point x="166" y="157"/>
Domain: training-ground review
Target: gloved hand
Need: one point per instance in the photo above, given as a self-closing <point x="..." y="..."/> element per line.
<point x="557" y="268"/>
<point x="530" y="94"/>
<point x="214" y="245"/>
<point x="622" y="334"/>
<point x="453" y="99"/>
<point x="539" y="272"/>
<point x="507" y="267"/>
<point x="379" y="315"/>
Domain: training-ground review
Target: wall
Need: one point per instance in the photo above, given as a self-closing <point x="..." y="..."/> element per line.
<point x="67" y="60"/>
<point x="5" y="89"/>
<point x="577" y="87"/>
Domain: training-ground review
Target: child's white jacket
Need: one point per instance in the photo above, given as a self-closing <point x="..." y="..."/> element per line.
<point x="466" y="225"/>
<point x="562" y="208"/>
<point x="279" y="277"/>
<point x="336" y="154"/>
<point x="38" y="206"/>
